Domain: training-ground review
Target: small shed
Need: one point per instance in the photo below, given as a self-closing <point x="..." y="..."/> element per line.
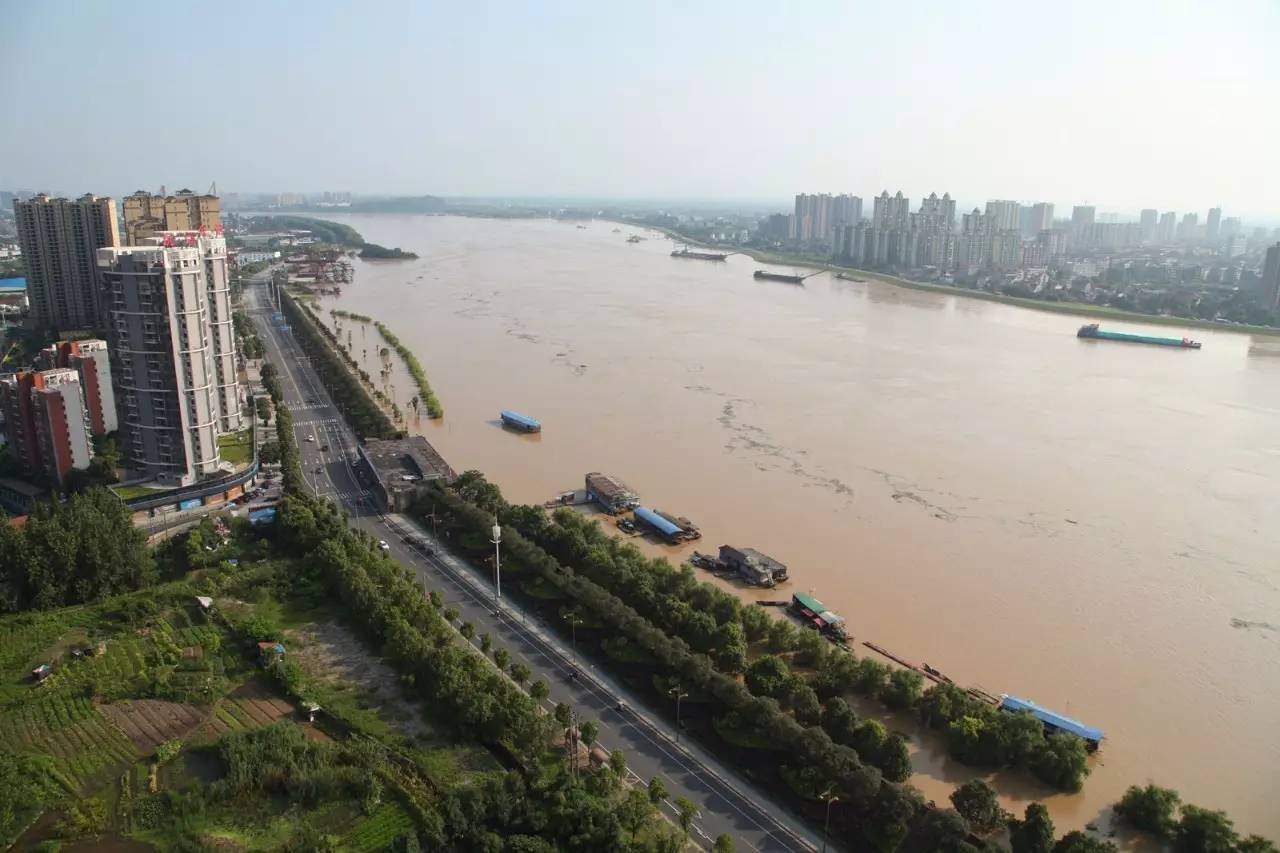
<point x="41" y="672"/>
<point x="205" y="602"/>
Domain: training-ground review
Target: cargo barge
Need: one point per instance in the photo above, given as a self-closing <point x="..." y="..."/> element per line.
<point x="844" y="277"/>
<point x="765" y="275"/>
<point x="613" y="495"/>
<point x="698" y="256"/>
<point x="519" y="422"/>
<point x="1092" y="332"/>
<point x="815" y="614"/>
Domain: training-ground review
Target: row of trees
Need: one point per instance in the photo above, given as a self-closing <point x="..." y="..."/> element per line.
<point x="867" y="806"/>
<point x="80" y="550"/>
<point x="428" y="397"/>
<point x="524" y="810"/>
<point x="364" y="415"/>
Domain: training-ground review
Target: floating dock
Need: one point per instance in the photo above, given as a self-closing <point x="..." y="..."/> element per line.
<point x="670" y="528"/>
<point x="519" y="422"/>
<point x="815" y="614"/>
<point x="1092" y="332"/>
<point x="613" y="495"/>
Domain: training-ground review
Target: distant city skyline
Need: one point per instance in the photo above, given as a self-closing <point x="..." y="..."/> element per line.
<point x="1129" y="106"/>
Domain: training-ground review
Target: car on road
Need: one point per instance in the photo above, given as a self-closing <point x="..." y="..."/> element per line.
<point x="383" y="546"/>
<point x="324" y="448"/>
<point x="311" y="438"/>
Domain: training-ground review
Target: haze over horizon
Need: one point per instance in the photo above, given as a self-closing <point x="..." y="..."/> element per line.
<point x="1125" y="106"/>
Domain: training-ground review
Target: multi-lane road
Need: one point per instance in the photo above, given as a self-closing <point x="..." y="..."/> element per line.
<point x="727" y="803"/>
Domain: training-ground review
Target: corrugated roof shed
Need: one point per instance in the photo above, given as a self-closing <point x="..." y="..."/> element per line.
<point x="810" y="602"/>
<point x="1052" y="718"/>
<point x="658" y="523"/>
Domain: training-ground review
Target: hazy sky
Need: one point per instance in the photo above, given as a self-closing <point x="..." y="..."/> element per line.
<point x="1124" y="103"/>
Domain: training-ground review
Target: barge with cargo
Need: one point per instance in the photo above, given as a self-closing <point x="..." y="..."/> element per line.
<point x="1092" y="332"/>
<point x="765" y="275"/>
<point x="698" y="256"/>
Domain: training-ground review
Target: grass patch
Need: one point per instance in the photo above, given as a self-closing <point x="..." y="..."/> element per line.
<point x="236" y="447"/>
<point x="138" y="490"/>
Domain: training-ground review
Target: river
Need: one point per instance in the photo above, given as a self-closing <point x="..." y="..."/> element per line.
<point x="1088" y="524"/>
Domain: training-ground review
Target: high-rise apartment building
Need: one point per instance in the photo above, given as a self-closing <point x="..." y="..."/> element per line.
<point x="48" y="422"/>
<point x="1041" y="217"/>
<point x="846" y="209"/>
<point x="1188" y="228"/>
<point x="1213" y="224"/>
<point x="1083" y="215"/>
<point x="1003" y="215"/>
<point x="175" y="353"/>
<point x="890" y="211"/>
<point x="1148" y="222"/>
<point x="1168" y="227"/>
<point x="1271" y="278"/>
<point x="90" y="360"/>
<point x="146" y="215"/>
<point x="59" y="239"/>
<point x="1230" y="227"/>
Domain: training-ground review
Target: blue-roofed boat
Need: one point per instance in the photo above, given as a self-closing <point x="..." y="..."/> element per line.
<point x="1053" y="720"/>
<point x="520" y="422"/>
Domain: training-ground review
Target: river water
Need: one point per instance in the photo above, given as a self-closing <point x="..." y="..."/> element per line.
<point x="1091" y="525"/>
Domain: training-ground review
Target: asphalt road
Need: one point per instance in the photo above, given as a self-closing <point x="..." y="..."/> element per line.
<point x="727" y="803"/>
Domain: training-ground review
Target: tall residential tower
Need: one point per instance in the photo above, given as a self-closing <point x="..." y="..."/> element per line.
<point x="59" y="238"/>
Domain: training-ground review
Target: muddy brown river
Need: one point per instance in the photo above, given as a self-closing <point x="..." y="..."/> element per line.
<point x="1091" y="525"/>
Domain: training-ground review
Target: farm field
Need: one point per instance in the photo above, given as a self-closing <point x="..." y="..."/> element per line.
<point x="150" y="700"/>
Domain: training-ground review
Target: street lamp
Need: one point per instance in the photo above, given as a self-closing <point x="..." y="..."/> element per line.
<point x="497" y="562"/>
<point x="829" y="796"/>
<point x="677" y="694"/>
<point x="574" y="621"/>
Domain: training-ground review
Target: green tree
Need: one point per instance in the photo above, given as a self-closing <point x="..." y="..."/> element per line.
<point x="520" y="673"/>
<point x="687" y="811"/>
<point x="1256" y="844"/>
<point x="588" y="731"/>
<point x="501" y="657"/>
<point x="755" y="623"/>
<point x="1063" y="762"/>
<point x="729" y="648"/>
<point x="263" y="411"/>
<point x="168" y="751"/>
<point x="486" y="642"/>
<point x="657" y="790"/>
<point x="538" y="691"/>
<point x="805" y="704"/>
<point x="618" y="763"/>
<point x="635" y="810"/>
<point x="903" y="690"/>
<point x="783" y="636"/>
<point x="269" y="452"/>
<point x="768" y="675"/>
<point x="724" y="843"/>
<point x="467" y="630"/>
<point x="562" y="714"/>
<point x="1150" y="808"/>
<point x="976" y="802"/>
<point x="1077" y="842"/>
<point x="1205" y="831"/>
<point x="1034" y="833"/>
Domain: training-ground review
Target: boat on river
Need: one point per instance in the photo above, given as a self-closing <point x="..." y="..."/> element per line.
<point x="1091" y="331"/>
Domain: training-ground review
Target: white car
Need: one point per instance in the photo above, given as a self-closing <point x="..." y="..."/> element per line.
<point x="311" y="438"/>
<point x="383" y="546"/>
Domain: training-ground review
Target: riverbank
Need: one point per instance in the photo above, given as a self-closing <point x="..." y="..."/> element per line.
<point x="1080" y="309"/>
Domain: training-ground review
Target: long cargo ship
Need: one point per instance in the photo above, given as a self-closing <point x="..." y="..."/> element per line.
<point x="777" y="276"/>
<point x="698" y="256"/>
<point x="517" y="421"/>
<point x="1092" y="332"/>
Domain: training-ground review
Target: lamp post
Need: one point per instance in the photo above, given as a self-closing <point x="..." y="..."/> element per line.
<point x="830" y="798"/>
<point x="574" y="620"/>
<point x="497" y="563"/>
<point x="677" y="693"/>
